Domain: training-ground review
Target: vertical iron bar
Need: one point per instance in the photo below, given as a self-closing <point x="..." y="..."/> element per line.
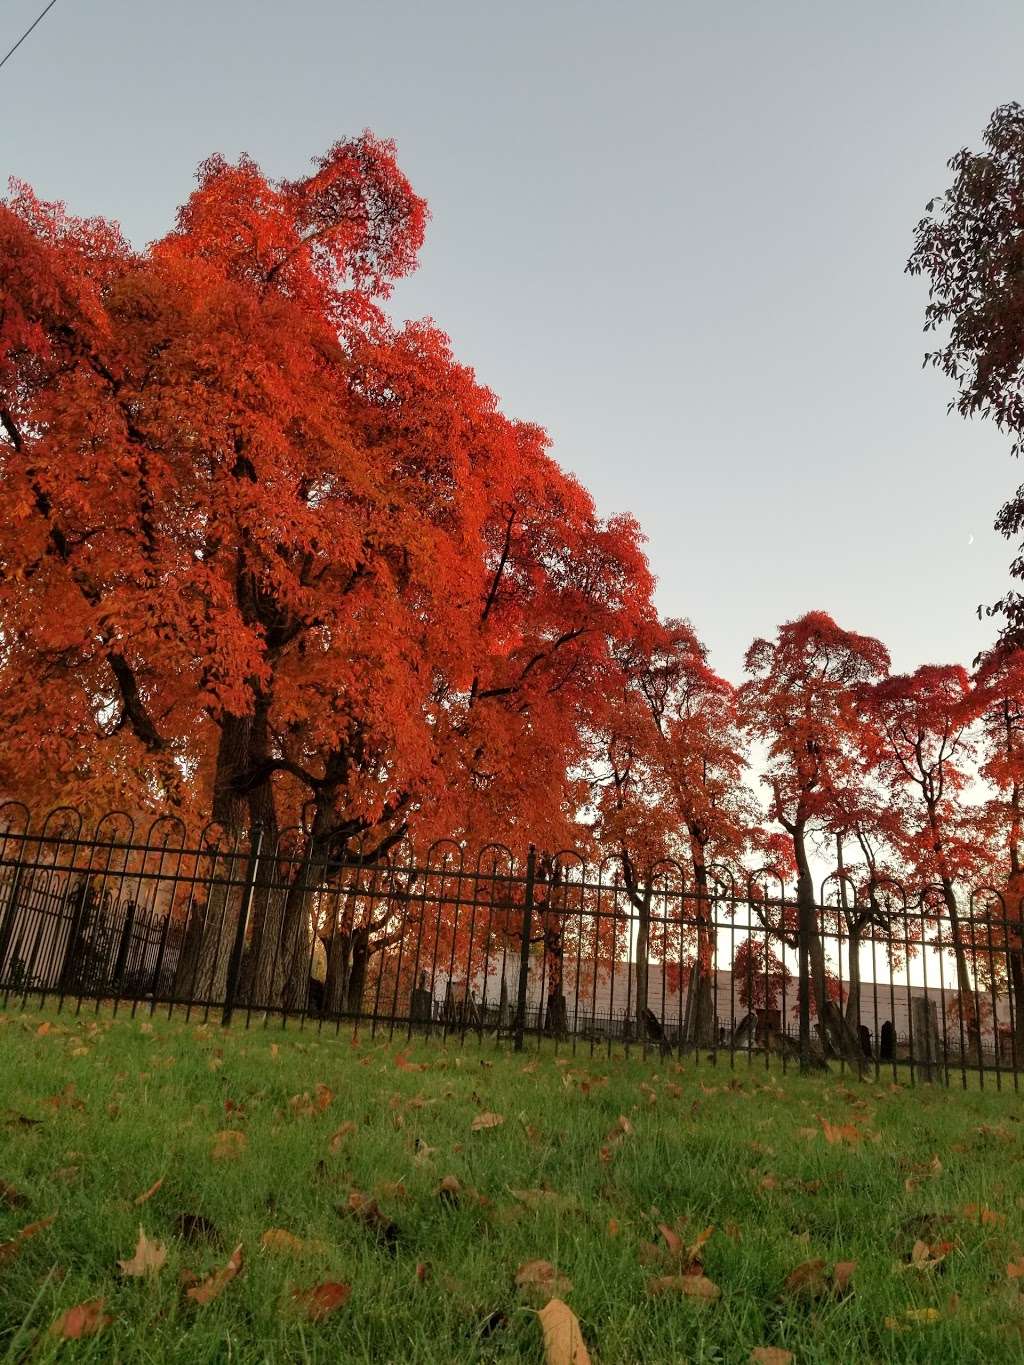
<point x="524" y="948"/>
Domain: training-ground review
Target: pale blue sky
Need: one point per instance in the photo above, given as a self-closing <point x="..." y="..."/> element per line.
<point x="673" y="233"/>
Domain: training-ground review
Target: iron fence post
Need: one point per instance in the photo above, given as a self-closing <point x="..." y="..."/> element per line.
<point x="524" y="948"/>
<point x="804" y="913"/>
<point x="235" y="961"/>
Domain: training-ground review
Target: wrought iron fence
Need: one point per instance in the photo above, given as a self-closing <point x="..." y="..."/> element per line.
<point x="484" y="945"/>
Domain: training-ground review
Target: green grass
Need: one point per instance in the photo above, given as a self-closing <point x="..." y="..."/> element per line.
<point x="743" y="1150"/>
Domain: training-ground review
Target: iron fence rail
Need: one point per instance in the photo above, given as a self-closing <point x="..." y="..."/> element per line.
<point x="487" y="945"/>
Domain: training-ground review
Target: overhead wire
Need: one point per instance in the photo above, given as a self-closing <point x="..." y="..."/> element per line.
<point x="37" y="20"/>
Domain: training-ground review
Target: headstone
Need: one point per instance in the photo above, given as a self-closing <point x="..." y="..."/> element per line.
<point x="887" y="1042"/>
<point x="746" y="1031"/>
<point x="865" y="1041"/>
<point x="421" y="1004"/>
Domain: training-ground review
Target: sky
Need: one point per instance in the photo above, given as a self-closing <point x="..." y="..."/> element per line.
<point x="672" y="233"/>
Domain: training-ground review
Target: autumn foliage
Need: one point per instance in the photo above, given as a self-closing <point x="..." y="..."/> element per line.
<point x="270" y="561"/>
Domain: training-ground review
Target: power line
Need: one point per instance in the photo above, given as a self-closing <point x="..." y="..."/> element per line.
<point x="36" y="20"/>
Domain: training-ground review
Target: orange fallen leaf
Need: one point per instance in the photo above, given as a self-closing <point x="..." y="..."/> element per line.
<point x="322" y="1299"/>
<point x="84" y="1320"/>
<point x="228" y="1144"/>
<point x="542" y="1275"/>
<point x="149" y="1257"/>
<point x="148" y="1194"/>
<point x="1015" y="1269"/>
<point x="614" y="1228"/>
<point x="214" y="1285"/>
<point x="340" y="1134"/>
<point x="842" y="1275"/>
<point x="841" y="1132"/>
<point x="487" y="1120"/>
<point x="693" y="1286"/>
<point x="563" y="1340"/>
<point x="770" y="1355"/>
<point x="280" y="1239"/>
<point x="985" y="1216"/>
<point x="807" y="1279"/>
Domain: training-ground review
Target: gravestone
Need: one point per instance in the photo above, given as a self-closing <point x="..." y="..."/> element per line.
<point x="421" y="1004"/>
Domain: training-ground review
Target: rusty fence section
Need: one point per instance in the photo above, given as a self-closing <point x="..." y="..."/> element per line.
<point x="520" y="950"/>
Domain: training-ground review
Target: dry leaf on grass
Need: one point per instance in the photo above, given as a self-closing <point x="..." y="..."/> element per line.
<point x="148" y="1194"/>
<point x="542" y="1277"/>
<point x="693" y="1286"/>
<point x="228" y="1144"/>
<point x="770" y="1355"/>
<point x="148" y="1259"/>
<point x="84" y="1320"/>
<point x="322" y="1299"/>
<point x="486" y="1121"/>
<point x="926" y="1256"/>
<point x="214" y="1285"/>
<point x="10" y="1249"/>
<point x="281" y="1240"/>
<point x="563" y="1340"/>
<point x="340" y="1134"/>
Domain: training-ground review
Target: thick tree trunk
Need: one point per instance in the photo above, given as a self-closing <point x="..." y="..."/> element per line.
<point x="643" y="937"/>
<point x="702" y="1013"/>
<point x="837" y="1036"/>
<point x="853" y="987"/>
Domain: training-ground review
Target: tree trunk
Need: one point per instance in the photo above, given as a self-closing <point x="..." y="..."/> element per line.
<point x="837" y="1036"/>
<point x="853" y="989"/>
<point x="702" y="1014"/>
<point x="643" y="936"/>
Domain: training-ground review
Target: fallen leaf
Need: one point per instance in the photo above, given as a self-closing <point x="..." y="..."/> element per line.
<point x="449" y="1190"/>
<point x="693" y="1286"/>
<point x="214" y="1285"/>
<point x="842" y="1274"/>
<point x="322" y="1299"/>
<point x="563" y="1340"/>
<point x="228" y="1144"/>
<point x="926" y="1256"/>
<point x="985" y="1216"/>
<point x="1015" y="1269"/>
<point x="770" y="1355"/>
<point x="808" y="1279"/>
<point x="841" y="1132"/>
<point x="367" y="1212"/>
<point x="542" y="1276"/>
<point x="613" y="1227"/>
<point x="148" y="1194"/>
<point x="486" y="1121"/>
<point x="149" y="1257"/>
<point x="84" y="1320"/>
<point x="279" y="1239"/>
<point x="340" y="1134"/>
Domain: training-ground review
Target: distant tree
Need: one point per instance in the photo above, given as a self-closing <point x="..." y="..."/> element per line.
<point x="925" y="755"/>
<point x="801" y="702"/>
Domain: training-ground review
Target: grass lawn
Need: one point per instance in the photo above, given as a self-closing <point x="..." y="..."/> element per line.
<point x="292" y="1133"/>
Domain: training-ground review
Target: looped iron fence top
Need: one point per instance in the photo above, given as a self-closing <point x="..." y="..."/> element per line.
<point x="486" y="943"/>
